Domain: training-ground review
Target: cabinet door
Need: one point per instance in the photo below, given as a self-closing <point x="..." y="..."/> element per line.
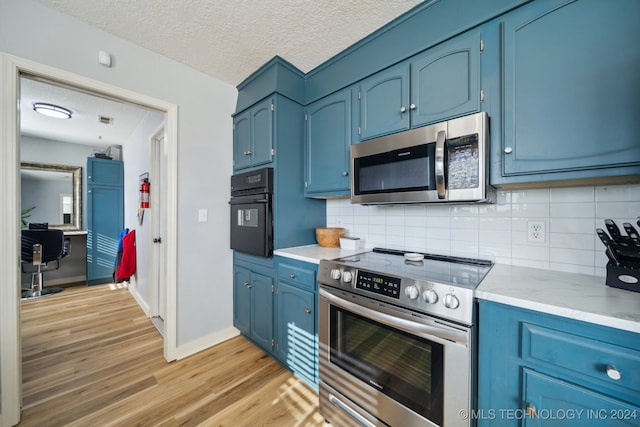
<point x="296" y="330"/>
<point x="384" y="102"/>
<point x="445" y="82"/>
<point x="105" y="222"/>
<point x="552" y="402"/>
<point x="242" y="140"/>
<point x="105" y="172"/>
<point x="262" y="132"/>
<point x="327" y="141"/>
<point x="262" y="310"/>
<point x="242" y="300"/>
<point x="571" y="88"/>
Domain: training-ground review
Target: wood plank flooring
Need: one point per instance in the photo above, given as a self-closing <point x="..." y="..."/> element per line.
<point x="92" y="358"/>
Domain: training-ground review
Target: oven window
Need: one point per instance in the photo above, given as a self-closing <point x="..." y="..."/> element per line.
<point x="406" y="368"/>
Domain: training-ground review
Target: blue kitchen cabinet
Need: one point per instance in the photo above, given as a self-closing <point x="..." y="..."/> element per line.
<point x="297" y="318"/>
<point x="253" y="306"/>
<point x="383" y="101"/>
<point x="438" y="84"/>
<point x="253" y="135"/>
<point x="327" y="141"/>
<point x="533" y="365"/>
<point x="105" y="217"/>
<point x="571" y="92"/>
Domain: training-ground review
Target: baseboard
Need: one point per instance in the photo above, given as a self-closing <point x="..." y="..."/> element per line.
<point x="204" y="343"/>
<point x="141" y="302"/>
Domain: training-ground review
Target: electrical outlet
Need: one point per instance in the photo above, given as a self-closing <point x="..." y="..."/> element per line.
<point x="536" y="231"/>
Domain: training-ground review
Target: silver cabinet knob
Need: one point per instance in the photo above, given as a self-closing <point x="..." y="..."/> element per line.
<point x="508" y="150"/>
<point x="307" y="311"/>
<point x="403" y="109"/>
<point x="613" y="373"/>
<point x="248" y="285"/>
<point x="412" y="106"/>
<point x="292" y="276"/>
<point x="248" y="153"/>
<point x="345" y="173"/>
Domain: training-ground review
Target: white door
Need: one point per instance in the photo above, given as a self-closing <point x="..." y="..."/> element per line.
<point x="158" y="210"/>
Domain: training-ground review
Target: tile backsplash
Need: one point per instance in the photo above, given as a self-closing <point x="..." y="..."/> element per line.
<point x="500" y="231"/>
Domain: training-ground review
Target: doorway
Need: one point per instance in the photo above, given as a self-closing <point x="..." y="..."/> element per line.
<point x="11" y="68"/>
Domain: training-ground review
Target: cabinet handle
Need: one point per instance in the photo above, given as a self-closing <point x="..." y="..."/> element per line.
<point x="613" y="373"/>
<point x="307" y="311"/>
<point x="508" y="150"/>
<point x="531" y="410"/>
<point x="439" y="164"/>
<point x="403" y="109"/>
<point x="248" y="285"/>
<point x="248" y="153"/>
<point x="412" y="106"/>
<point x="292" y="276"/>
<point x="345" y="173"/>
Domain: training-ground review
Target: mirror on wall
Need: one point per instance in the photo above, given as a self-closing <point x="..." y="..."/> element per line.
<point x="54" y="192"/>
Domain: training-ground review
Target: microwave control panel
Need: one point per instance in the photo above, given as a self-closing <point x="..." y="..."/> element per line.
<point x="379" y="284"/>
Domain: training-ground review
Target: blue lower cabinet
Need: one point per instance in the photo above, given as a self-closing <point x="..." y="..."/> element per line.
<point x="296" y="340"/>
<point x="536" y="369"/>
<point x="253" y="306"/>
<point x="297" y="318"/>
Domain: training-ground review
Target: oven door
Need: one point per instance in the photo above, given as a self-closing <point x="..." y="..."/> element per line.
<point x="382" y="365"/>
<point x="251" y="225"/>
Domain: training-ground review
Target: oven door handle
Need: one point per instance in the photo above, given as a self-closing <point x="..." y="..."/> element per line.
<point x="415" y="328"/>
<point x="247" y="201"/>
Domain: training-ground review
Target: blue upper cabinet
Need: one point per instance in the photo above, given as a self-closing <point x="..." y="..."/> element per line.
<point x="571" y="91"/>
<point x="253" y="135"/>
<point x="445" y="81"/>
<point x="439" y="84"/>
<point x="384" y="102"/>
<point x="327" y="142"/>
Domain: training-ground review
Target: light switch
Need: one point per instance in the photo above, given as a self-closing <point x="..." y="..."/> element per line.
<point x="202" y="215"/>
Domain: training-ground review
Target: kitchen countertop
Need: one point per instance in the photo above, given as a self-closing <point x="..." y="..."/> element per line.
<point x="314" y="253"/>
<point x="576" y="296"/>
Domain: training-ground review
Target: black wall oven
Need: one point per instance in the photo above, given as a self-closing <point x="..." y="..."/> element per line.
<point x="252" y="212"/>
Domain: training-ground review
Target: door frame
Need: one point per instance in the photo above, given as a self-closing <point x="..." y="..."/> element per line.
<point x="11" y="67"/>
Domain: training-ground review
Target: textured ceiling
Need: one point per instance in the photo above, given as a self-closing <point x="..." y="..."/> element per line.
<point x="230" y="39"/>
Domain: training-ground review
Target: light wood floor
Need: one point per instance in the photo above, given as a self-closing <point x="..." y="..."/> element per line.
<point x="92" y="358"/>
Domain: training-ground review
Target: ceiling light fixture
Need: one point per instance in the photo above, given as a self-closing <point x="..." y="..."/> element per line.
<point x="52" y="110"/>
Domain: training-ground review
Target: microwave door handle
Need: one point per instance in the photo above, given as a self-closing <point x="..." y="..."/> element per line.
<point x="439" y="164"/>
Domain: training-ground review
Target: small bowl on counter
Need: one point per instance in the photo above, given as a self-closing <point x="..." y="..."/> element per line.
<point x="329" y="237"/>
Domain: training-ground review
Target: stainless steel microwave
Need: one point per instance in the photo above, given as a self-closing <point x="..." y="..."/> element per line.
<point x="443" y="162"/>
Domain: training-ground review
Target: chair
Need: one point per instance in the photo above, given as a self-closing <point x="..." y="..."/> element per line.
<point x="40" y="247"/>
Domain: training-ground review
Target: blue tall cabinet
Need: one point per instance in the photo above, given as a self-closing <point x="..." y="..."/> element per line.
<point x="105" y="217"/>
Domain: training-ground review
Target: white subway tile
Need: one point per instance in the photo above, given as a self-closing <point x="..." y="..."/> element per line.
<point x="572" y="225"/>
<point x="618" y="193"/>
<point x="572" y="195"/>
<point x="530" y="196"/>
<point x="530" y="210"/>
<point x="572" y="210"/>
<point x="535" y="253"/>
<point x="571" y="241"/>
<point x="572" y="256"/>
<point x="465" y="222"/>
<point x="490" y="237"/>
<point x="438" y="233"/>
<point x="627" y="211"/>
<point x="494" y="224"/>
<point x="465" y="234"/>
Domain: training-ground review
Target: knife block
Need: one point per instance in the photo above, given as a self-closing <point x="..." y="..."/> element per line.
<point x="624" y="276"/>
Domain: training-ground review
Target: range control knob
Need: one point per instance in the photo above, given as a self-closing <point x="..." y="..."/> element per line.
<point x="336" y="274"/>
<point x="451" y="301"/>
<point x="430" y="296"/>
<point x="411" y="292"/>
<point x="347" y="276"/>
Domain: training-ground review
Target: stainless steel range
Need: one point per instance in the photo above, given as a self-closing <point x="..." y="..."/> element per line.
<point x="397" y="339"/>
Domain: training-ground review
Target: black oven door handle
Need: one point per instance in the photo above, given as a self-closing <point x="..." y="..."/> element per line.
<point x="247" y="201"/>
<point x="420" y="329"/>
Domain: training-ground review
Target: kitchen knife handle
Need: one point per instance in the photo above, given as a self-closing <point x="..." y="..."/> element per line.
<point x="613" y="230"/>
<point x="439" y="166"/>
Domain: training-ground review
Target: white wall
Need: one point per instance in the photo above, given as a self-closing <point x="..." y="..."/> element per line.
<point x="137" y="152"/>
<point x="205" y="104"/>
<point x="499" y="231"/>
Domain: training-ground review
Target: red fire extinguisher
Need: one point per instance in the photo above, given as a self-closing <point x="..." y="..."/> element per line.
<point x="144" y="193"/>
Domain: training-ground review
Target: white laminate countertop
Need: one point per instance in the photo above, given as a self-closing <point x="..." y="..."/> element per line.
<point x="314" y="253"/>
<point x="576" y="296"/>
